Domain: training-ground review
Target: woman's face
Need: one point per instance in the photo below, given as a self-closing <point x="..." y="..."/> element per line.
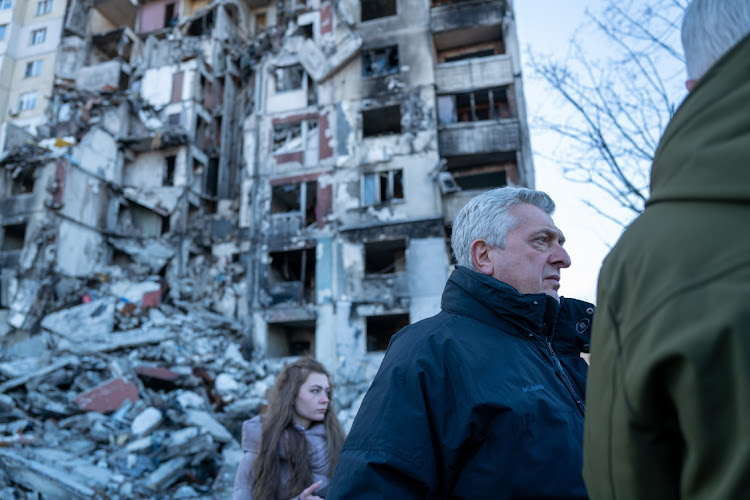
<point x="312" y="400"/>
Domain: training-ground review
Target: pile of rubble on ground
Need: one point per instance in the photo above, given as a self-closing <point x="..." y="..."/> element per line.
<point x="127" y="394"/>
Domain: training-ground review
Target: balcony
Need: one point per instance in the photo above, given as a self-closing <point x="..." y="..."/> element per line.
<point x="474" y="74"/>
<point x="385" y="289"/>
<point x="118" y="12"/>
<point x="469" y="138"/>
<point x="466" y="14"/>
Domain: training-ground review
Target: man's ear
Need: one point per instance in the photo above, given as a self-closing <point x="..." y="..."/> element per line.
<point x="481" y="258"/>
<point x="690" y="84"/>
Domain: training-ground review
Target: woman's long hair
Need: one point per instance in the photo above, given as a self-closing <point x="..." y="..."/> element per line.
<point x="278" y="430"/>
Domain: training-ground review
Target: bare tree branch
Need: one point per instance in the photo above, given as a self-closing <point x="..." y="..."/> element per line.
<point x="615" y="109"/>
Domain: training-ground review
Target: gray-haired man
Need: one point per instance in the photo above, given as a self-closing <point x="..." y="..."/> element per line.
<point x="485" y="399"/>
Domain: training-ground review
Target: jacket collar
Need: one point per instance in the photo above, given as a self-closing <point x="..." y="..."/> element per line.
<point x="476" y="295"/>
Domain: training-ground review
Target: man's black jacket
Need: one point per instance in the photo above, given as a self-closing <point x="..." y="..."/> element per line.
<point x="483" y="400"/>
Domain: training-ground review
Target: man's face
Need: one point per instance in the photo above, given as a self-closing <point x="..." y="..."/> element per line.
<point x="533" y="253"/>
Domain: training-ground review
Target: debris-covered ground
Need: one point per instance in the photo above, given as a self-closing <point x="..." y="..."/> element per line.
<point x="126" y="394"/>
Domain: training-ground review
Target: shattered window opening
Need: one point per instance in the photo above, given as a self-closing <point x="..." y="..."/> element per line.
<point x="170" y="162"/>
<point x="306" y="31"/>
<point x="13" y="237"/>
<point x="23" y="182"/>
<point x="385" y="256"/>
<point x="285" y="198"/>
<point x="381" y="121"/>
<point x="294" y="338"/>
<point x="483" y="171"/>
<point x="380" y="187"/>
<point x="212" y="177"/>
<point x="295" y="136"/>
<point x="289" y="78"/>
<point x="203" y="25"/>
<point x="380" y="329"/>
<point x="291" y="198"/>
<point x="477" y="105"/>
<point x="165" y="220"/>
<point x="470" y="54"/>
<point x="375" y="9"/>
<point x="379" y="62"/>
<point x="469" y="43"/>
<point x="170" y="15"/>
<point x="260" y="21"/>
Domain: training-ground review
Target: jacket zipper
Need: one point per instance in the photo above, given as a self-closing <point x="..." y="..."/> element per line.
<point x="565" y="377"/>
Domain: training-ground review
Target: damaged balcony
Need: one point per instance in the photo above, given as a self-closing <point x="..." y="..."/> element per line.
<point x="446" y="15"/>
<point x="463" y="177"/>
<point x="117" y="12"/>
<point x="291" y="277"/>
<point x="479" y="121"/>
<point x="470" y="30"/>
<point x="385" y="280"/>
<point x="474" y="73"/>
<point x="298" y="204"/>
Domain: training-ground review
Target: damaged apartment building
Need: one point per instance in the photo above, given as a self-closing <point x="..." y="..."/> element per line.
<point x="293" y="166"/>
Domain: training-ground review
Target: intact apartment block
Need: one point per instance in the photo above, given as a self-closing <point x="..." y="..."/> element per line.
<point x="294" y="165"/>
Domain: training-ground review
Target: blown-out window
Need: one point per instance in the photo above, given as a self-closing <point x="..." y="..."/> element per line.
<point x="380" y="187"/>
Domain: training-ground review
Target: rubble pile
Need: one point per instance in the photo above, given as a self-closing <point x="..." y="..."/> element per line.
<point x="127" y="394"/>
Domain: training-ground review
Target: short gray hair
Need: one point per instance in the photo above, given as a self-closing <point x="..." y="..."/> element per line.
<point x="489" y="217"/>
<point x="710" y="28"/>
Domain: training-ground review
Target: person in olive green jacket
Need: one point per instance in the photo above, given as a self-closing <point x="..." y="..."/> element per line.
<point x="668" y="392"/>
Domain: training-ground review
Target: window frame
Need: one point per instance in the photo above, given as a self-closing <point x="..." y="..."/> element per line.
<point x="391" y="192"/>
<point x="6" y="4"/>
<point x="292" y="67"/>
<point x="389" y="53"/>
<point x="43" y="7"/>
<point x="33" y="68"/>
<point x="3" y="31"/>
<point x="305" y="135"/>
<point x="26" y="98"/>
<point x="38" y="36"/>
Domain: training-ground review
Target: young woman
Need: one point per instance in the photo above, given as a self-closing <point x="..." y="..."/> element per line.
<point x="292" y="449"/>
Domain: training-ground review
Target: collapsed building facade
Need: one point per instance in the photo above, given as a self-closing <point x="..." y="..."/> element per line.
<point x="286" y="173"/>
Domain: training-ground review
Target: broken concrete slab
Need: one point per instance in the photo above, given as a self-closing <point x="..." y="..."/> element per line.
<point x="151" y="253"/>
<point x="209" y="424"/>
<point x="121" y="340"/>
<point x="52" y="482"/>
<point x="108" y="396"/>
<point x="146" y="421"/>
<point x="167" y="473"/>
<point x="15" y="382"/>
<point x="94" y="320"/>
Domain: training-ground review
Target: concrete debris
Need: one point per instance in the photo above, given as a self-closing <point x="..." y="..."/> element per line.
<point x="108" y="396"/>
<point x="146" y="421"/>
